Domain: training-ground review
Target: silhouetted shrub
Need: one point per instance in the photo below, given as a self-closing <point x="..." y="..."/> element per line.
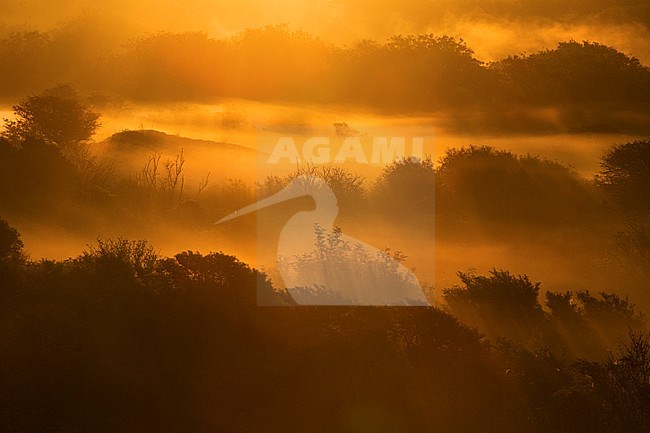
<point x="180" y="344"/>
<point x="577" y="72"/>
<point x="498" y="186"/>
<point x="625" y="176"/>
<point x="405" y="191"/>
<point x="346" y="185"/>
<point x="11" y="246"/>
<point x="500" y="303"/>
<point x="35" y="177"/>
<point x="56" y="116"/>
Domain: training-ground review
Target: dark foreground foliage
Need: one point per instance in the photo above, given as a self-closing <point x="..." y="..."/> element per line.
<point x="119" y="339"/>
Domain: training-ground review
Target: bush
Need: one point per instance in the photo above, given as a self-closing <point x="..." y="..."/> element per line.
<point x="11" y="247"/>
<point x="499" y="186"/>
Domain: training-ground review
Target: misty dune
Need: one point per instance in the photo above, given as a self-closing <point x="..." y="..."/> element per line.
<point x="324" y="216"/>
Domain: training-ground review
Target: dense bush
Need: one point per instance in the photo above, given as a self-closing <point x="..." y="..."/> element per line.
<point x="588" y="86"/>
<point x="122" y="339"/>
<point x="485" y="184"/>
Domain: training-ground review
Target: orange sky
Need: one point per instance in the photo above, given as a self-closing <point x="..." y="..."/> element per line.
<point x="494" y="29"/>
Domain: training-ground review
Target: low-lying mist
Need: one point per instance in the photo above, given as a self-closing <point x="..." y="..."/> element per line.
<point x="222" y="170"/>
<point x="171" y="173"/>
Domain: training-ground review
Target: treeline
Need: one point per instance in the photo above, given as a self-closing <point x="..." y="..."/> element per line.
<point x="575" y="86"/>
<point x="45" y="156"/>
<point x="120" y="338"/>
<point x="580" y="324"/>
<point x="46" y="168"/>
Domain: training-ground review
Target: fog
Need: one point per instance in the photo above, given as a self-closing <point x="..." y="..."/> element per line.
<point x="436" y="259"/>
<point x="494" y="31"/>
<point x="169" y="168"/>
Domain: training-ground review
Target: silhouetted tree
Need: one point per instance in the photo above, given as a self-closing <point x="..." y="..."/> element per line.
<point x="346" y="185"/>
<point x="405" y="190"/>
<point x="138" y="256"/>
<point x="577" y="72"/>
<point x="120" y="330"/>
<point x="55" y="116"/>
<point x="617" y="391"/>
<point x="501" y="303"/>
<point x="34" y="175"/>
<point x="486" y="184"/>
<point x="58" y="118"/>
<point x="610" y="315"/>
<point x="625" y="175"/>
<point x="11" y="246"/>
